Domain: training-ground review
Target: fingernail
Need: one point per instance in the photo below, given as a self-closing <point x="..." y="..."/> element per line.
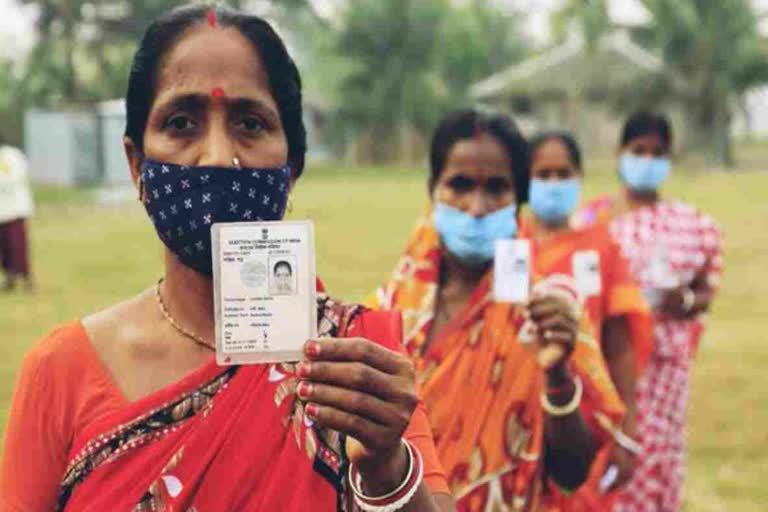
<point x="304" y="389"/>
<point x="304" y="369"/>
<point x="312" y="348"/>
<point x="312" y="410"/>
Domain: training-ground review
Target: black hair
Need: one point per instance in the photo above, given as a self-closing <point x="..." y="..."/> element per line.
<point x="165" y="31"/>
<point x="282" y="263"/>
<point x="466" y="124"/>
<point x="647" y="123"/>
<point x="566" y="138"/>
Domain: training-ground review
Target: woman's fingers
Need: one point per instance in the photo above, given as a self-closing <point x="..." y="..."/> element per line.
<point x="358" y="350"/>
<point x="359" y="388"/>
<point x="355" y="402"/>
<point x="372" y="435"/>
<point x="543" y="307"/>
<point x="360" y="377"/>
<point x="558" y="321"/>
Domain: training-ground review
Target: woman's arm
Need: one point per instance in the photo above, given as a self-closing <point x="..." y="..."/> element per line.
<point x="35" y="448"/>
<point x="620" y="358"/>
<point x="570" y="448"/>
<point x="569" y="445"/>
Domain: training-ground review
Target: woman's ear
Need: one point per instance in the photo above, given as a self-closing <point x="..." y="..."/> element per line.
<point x="135" y="160"/>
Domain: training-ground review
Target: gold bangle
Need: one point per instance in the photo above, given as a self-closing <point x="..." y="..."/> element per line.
<point x="570" y="407"/>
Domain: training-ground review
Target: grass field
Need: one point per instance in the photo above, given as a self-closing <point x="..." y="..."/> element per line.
<point x="88" y="256"/>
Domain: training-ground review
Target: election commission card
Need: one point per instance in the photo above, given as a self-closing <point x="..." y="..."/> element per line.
<point x="512" y="270"/>
<point x="586" y="273"/>
<point x="264" y="290"/>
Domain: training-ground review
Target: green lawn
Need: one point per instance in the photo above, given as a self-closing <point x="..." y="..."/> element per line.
<point x="87" y="257"/>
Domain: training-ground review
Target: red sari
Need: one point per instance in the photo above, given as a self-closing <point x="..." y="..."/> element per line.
<point x="221" y="439"/>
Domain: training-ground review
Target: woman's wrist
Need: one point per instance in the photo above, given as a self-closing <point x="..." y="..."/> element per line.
<point x="383" y="474"/>
<point x="558" y="376"/>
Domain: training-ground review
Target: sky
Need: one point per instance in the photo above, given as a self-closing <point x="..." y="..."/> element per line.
<point x="16" y="22"/>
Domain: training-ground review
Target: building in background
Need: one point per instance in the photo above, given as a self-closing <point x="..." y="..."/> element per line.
<point x="75" y="148"/>
<point x="575" y="85"/>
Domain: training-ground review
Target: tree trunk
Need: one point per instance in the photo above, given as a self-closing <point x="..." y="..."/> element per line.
<point x="710" y="130"/>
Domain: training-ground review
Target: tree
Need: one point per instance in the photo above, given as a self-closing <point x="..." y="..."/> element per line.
<point x="716" y="47"/>
<point x="85" y="48"/>
<point x="478" y="40"/>
<point x="409" y="61"/>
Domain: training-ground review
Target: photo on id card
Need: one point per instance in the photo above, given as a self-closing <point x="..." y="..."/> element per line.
<point x="264" y="290"/>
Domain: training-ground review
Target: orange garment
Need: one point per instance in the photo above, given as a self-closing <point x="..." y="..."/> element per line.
<point x="618" y="295"/>
<point x="63" y="392"/>
<point x="482" y="387"/>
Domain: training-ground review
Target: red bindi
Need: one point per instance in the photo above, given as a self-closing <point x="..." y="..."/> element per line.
<point x="211" y="18"/>
<point x="218" y="92"/>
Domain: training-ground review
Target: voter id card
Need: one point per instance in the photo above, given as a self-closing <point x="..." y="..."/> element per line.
<point x="264" y="290"/>
<point x="512" y="270"/>
<point x="586" y="273"/>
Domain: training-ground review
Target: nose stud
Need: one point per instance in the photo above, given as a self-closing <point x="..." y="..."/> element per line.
<point x="236" y="162"/>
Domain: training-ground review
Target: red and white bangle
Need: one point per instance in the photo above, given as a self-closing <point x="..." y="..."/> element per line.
<point x="396" y="499"/>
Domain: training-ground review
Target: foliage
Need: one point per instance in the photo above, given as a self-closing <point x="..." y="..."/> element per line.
<point x="589" y="16"/>
<point x="412" y="60"/>
<point x="715" y="46"/>
<point x="712" y="50"/>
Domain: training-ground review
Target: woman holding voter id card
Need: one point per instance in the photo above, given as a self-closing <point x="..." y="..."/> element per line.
<point x="509" y="369"/>
<point x="611" y="298"/>
<point x="128" y="410"/>
<point x="674" y="251"/>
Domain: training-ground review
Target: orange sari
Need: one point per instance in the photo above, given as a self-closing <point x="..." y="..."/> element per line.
<point x="482" y="387"/>
<point x="618" y="295"/>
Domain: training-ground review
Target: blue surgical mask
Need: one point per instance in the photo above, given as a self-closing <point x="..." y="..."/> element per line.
<point x="183" y="202"/>
<point x="473" y="239"/>
<point x="642" y="174"/>
<point x="553" y="201"/>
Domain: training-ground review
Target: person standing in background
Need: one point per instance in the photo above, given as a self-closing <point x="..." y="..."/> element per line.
<point x="504" y="419"/>
<point x="675" y="253"/>
<point x="16" y="207"/>
<point x="612" y="299"/>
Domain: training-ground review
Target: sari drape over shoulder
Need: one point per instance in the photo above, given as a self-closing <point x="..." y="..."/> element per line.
<point x="482" y="387"/>
<point x="221" y="439"/>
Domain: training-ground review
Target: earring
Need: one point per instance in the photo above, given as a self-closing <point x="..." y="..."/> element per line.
<point x="290" y="205"/>
<point x="236" y="162"/>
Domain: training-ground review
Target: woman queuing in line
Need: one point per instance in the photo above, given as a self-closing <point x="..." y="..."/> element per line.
<point x="16" y="207"/>
<point x="504" y="416"/>
<point x="612" y="298"/>
<point x="674" y="253"/>
<point x="127" y="409"/>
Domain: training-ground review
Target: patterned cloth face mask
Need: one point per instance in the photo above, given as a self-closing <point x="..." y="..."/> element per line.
<point x="183" y="202"/>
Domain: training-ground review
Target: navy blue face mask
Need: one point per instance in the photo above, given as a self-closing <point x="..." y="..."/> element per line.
<point x="183" y="202"/>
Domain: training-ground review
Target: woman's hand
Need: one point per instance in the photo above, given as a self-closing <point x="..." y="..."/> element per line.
<point x="363" y="390"/>
<point x="557" y="325"/>
<point x="625" y="462"/>
<point x="673" y="302"/>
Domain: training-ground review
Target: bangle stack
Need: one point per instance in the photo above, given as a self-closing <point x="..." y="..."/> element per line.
<point x="570" y="407"/>
<point x="396" y="499"/>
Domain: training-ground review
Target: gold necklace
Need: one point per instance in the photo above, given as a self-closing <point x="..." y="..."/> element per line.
<point x="194" y="337"/>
